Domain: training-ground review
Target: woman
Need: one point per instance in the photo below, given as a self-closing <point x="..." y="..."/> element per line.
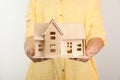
<point x="86" y="12"/>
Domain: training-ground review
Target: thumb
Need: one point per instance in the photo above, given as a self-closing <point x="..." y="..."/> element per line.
<point x="87" y="52"/>
<point x="32" y="52"/>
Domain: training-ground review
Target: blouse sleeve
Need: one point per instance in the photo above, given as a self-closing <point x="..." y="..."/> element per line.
<point x="30" y="22"/>
<point x="96" y="23"/>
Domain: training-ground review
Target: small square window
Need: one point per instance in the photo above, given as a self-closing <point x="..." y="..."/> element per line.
<point x="79" y="45"/>
<point x="40" y="49"/>
<point x="69" y="51"/>
<point x="52" y="37"/>
<point x="78" y="49"/>
<point x="52" y="50"/>
<point x="52" y="33"/>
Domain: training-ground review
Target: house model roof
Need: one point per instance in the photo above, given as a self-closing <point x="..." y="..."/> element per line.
<point x="67" y="30"/>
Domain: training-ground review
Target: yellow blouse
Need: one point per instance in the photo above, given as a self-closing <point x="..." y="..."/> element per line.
<point x="86" y="12"/>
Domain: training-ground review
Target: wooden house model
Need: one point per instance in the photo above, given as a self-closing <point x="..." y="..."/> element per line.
<point x="59" y="40"/>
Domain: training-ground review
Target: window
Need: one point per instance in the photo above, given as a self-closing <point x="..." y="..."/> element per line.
<point x="52" y="33"/>
<point x="69" y="47"/>
<point x="40" y="49"/>
<point x="78" y="49"/>
<point x="79" y="45"/>
<point x="52" y="48"/>
<point x="52" y="37"/>
<point x="69" y="51"/>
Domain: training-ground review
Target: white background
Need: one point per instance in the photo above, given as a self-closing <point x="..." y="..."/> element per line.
<point x="13" y="61"/>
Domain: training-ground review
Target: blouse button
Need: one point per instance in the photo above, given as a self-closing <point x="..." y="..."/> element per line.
<point x="61" y="15"/>
<point x="63" y="70"/>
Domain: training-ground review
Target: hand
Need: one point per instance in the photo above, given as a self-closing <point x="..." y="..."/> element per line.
<point x="93" y="47"/>
<point x="29" y="47"/>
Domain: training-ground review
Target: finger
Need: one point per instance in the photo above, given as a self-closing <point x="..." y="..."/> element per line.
<point x="35" y="60"/>
<point x="40" y="59"/>
<point x="90" y="52"/>
<point x="86" y="52"/>
<point x="46" y="58"/>
<point x="32" y="52"/>
<point x="73" y="58"/>
<point x="43" y="59"/>
<point x="28" y="53"/>
<point x="82" y="58"/>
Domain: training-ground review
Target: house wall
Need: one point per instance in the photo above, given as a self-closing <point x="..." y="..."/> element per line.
<point x="64" y="44"/>
<point x="49" y="41"/>
<point x="39" y="50"/>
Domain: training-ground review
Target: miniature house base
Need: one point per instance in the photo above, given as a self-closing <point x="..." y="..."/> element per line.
<point x="59" y="40"/>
